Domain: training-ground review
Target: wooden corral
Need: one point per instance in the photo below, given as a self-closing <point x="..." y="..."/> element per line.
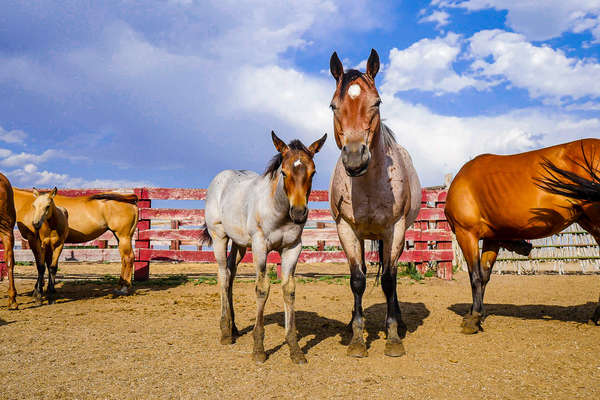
<point x="173" y="233"/>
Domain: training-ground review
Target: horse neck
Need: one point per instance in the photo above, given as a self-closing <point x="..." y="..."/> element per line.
<point x="378" y="152"/>
<point x="52" y="220"/>
<point x="278" y="198"/>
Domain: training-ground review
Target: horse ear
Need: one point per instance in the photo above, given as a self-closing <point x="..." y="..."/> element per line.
<point x="53" y="193"/>
<point x="373" y="64"/>
<point x="35" y="192"/>
<point x="316" y="146"/>
<point x="336" y="67"/>
<point x="279" y="144"/>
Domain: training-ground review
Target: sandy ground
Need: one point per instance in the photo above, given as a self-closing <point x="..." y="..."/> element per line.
<point x="163" y="341"/>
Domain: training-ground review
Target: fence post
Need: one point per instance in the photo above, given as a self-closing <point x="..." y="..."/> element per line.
<point x="175" y="244"/>
<point x="142" y="265"/>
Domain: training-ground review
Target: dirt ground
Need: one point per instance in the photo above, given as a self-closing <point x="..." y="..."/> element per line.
<point x="163" y="341"/>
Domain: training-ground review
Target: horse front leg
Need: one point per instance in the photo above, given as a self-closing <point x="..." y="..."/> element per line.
<point x="52" y="269"/>
<point x="38" y="255"/>
<point x="8" y="241"/>
<point x="355" y="253"/>
<point x="259" y="253"/>
<point x="289" y="259"/>
<point x="393" y="244"/>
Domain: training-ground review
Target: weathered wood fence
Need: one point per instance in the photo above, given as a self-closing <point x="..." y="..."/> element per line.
<point x="172" y="233"/>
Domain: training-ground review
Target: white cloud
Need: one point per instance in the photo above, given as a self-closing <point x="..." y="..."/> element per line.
<point x="427" y="65"/>
<point x="13" y="136"/>
<point x="540" y="21"/>
<point x="438" y="144"/>
<point x="441" y="18"/>
<point x="10" y="159"/>
<point x="543" y="71"/>
<point x="30" y="176"/>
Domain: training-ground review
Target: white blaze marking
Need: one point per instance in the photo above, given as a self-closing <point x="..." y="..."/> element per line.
<point x="297" y="163"/>
<point x="353" y="91"/>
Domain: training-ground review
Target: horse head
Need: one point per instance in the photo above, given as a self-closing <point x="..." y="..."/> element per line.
<point x="356" y="118"/>
<point x="43" y="207"/>
<point x="297" y="171"/>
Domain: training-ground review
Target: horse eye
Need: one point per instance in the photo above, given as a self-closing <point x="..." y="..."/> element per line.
<point x="283" y="173"/>
<point x="332" y="106"/>
<point x="377" y="103"/>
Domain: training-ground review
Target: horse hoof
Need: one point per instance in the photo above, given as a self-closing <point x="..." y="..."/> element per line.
<point x="394" y="349"/>
<point x="122" y="292"/>
<point x="259" y="356"/>
<point x="469" y="329"/>
<point x="226" y="339"/>
<point x="13" y="306"/>
<point x="358" y="350"/>
<point x="298" y="357"/>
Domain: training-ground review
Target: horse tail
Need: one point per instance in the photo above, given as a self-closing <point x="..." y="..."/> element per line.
<point x="380" y="266"/>
<point x="205" y="238"/>
<point x="569" y="184"/>
<point x="124" y="198"/>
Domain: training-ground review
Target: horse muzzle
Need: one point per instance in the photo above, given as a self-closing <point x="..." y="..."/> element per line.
<point x="298" y="214"/>
<point x="356" y="159"/>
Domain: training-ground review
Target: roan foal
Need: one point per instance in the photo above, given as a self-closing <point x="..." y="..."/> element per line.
<point x="45" y="226"/>
<point x="265" y="212"/>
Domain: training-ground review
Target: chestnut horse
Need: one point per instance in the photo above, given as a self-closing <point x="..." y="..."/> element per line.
<point x="265" y="212"/>
<point x="374" y="194"/>
<point x="90" y="217"/>
<point x="7" y="226"/>
<point x="45" y="226"/>
<point x="504" y="200"/>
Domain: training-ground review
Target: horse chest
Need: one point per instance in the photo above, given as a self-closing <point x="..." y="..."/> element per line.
<point x="283" y="236"/>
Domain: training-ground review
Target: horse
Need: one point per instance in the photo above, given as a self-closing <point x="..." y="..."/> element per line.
<point x="265" y="212"/>
<point x="90" y="217"/>
<point x="45" y="226"/>
<point x="375" y="194"/>
<point x="7" y="236"/>
<point x="505" y="200"/>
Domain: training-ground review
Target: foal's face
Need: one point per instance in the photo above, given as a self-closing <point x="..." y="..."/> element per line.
<point x="297" y="171"/>
<point x="355" y="106"/>
<point x="42" y="207"/>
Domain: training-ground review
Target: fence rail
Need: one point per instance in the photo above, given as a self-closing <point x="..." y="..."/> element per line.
<point x="173" y="234"/>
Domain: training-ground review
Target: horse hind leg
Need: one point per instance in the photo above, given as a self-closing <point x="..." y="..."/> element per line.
<point x="127" y="259"/>
<point x="469" y="245"/>
<point x="220" y="251"/>
<point x="233" y="260"/>
<point x="587" y="224"/>
<point x="9" y="258"/>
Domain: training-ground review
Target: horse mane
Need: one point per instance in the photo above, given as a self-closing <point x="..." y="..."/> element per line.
<point x="389" y="139"/>
<point x="350" y="76"/>
<point x="124" y="198"/>
<point x="277" y="159"/>
<point x="576" y="187"/>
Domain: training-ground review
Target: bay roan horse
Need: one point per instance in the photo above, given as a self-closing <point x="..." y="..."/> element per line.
<point x="45" y="226"/>
<point x="90" y="217"/>
<point x="504" y="200"/>
<point x="375" y="194"/>
<point x="7" y="226"/>
<point x="265" y="212"/>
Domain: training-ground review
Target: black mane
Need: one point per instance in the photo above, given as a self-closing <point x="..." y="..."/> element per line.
<point x="277" y="159"/>
<point x="350" y="76"/>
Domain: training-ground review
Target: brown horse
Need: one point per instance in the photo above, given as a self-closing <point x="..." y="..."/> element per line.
<point x="374" y="194"/>
<point x="90" y="217"/>
<point x="504" y="200"/>
<point x="7" y="226"/>
<point x="46" y="227"/>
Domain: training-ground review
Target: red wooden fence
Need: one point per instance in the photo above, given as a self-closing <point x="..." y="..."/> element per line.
<point x="172" y="234"/>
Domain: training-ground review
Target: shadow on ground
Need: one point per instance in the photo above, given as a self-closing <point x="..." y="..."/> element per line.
<point x="73" y="290"/>
<point x="309" y="323"/>
<point x="578" y="313"/>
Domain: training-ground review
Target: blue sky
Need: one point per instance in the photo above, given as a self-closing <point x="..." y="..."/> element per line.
<point x="115" y="94"/>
